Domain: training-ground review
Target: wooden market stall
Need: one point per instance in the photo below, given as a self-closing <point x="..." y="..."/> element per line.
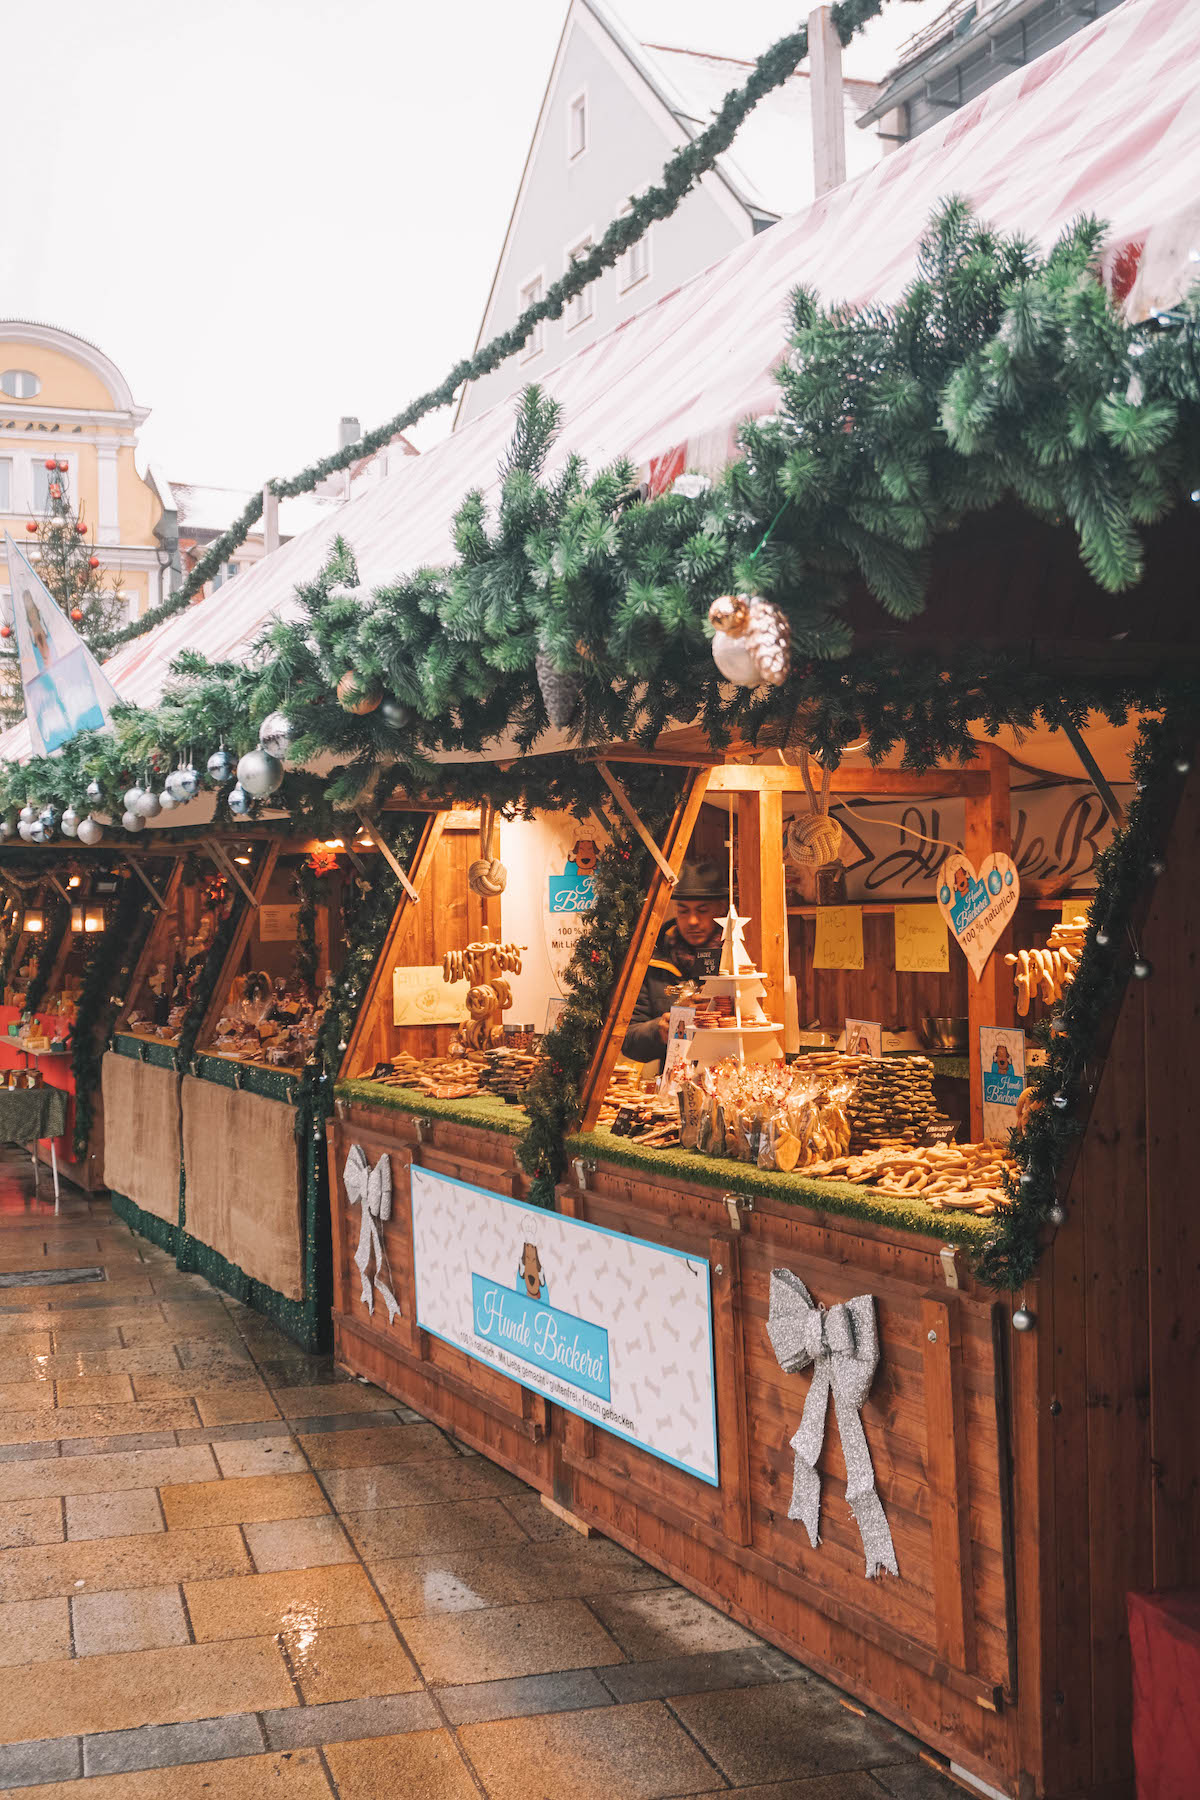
<point x="1032" y="1452"/>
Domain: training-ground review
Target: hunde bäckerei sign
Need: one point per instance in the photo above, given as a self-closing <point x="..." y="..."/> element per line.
<point x="610" y="1327"/>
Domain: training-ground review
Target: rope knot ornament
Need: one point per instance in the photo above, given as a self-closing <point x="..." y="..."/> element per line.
<point x="842" y="1345"/>
<point x="487" y="875"/>
<point x="813" y="838"/>
<point x="371" y="1189"/>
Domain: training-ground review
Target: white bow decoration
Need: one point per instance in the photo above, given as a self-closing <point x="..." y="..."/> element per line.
<point x="371" y="1189"/>
<point x="843" y="1347"/>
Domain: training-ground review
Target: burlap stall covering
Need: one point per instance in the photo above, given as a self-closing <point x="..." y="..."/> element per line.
<point x="242" y="1194"/>
<point x="141" y="1134"/>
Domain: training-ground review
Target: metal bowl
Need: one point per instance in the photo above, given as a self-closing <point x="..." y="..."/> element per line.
<point x="946" y="1037"/>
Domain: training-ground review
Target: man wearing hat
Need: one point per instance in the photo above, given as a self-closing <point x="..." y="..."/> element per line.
<point x="688" y="948"/>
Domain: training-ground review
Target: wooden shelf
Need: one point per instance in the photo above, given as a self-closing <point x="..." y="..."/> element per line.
<point x="870" y="907"/>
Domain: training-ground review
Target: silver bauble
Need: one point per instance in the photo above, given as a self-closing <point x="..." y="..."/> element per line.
<point x="187" y="783"/>
<point x="1023" y="1319"/>
<point x="69" y="822"/>
<point x="220" y="766"/>
<point x="27" y="814"/>
<point x="259" y="773"/>
<point x="7" y="828"/>
<point x="25" y="826"/>
<point x="1057" y="1214"/>
<point x="133" y="821"/>
<point x="49" y="817"/>
<point x="148" y="805"/>
<point x="275" y="735"/>
<point x="393" y="715"/>
<point x="239" y="801"/>
<point x="170" y="783"/>
<point x="40" y="832"/>
<point x="94" y="792"/>
<point x="132" y="796"/>
<point x="167" y="801"/>
<point x="89" y="831"/>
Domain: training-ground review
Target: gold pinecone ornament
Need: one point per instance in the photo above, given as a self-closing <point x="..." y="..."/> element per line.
<point x="752" y="641"/>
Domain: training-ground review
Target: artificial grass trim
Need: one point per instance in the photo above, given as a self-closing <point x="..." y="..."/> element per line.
<point x="484" y="1110"/>
<point x="844" y="1197"/>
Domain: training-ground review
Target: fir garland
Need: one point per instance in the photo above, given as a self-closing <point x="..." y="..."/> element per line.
<point x="679" y="176"/>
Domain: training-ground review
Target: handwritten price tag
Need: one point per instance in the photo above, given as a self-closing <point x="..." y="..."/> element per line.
<point x="839" y="942"/>
<point x="921" y="942"/>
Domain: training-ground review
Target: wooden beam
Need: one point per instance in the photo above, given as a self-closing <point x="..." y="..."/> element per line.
<point x="738" y="778"/>
<point x="237" y="944"/>
<point x="422" y="863"/>
<point x="149" y="949"/>
<point x="637" y="959"/>
<point x="946" y="1474"/>
<point x="761" y="889"/>
<point x="827" y="100"/>
<point x="990" y="1000"/>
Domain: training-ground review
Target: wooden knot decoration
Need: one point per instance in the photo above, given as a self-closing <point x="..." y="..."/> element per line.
<point x="752" y="641"/>
<point x="487" y="875"/>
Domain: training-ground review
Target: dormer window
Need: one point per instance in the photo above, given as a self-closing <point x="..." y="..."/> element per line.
<point x="20" y="384"/>
<point x="577" y="126"/>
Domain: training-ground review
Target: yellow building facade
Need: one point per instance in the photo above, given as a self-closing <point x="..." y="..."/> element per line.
<point x="62" y="398"/>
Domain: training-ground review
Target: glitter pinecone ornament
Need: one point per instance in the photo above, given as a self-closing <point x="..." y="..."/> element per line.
<point x="560" y="691"/>
<point x="752" y="641"/>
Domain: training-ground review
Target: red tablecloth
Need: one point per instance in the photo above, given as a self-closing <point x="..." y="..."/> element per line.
<point x="1164" y="1635"/>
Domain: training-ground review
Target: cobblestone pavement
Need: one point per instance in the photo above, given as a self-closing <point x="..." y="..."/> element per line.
<point x="228" y="1570"/>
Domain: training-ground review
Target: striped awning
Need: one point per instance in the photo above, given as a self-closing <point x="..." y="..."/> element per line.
<point x="1107" y="123"/>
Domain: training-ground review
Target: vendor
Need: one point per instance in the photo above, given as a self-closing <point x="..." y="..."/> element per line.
<point x="688" y="948"/>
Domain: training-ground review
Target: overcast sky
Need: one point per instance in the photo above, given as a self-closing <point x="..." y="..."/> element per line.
<point x="273" y="212"/>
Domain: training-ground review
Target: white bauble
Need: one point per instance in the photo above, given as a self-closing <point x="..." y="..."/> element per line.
<point x="187" y="783"/>
<point x="275" y="735"/>
<point x="27" y="814"/>
<point x="167" y="801"/>
<point x="133" y="821"/>
<point x="148" y="805"/>
<point x="220" y="766"/>
<point x="259" y="773"/>
<point x="239" y="801"/>
<point x="132" y="796"/>
<point x="69" y="822"/>
<point x="40" y="832"/>
<point x="89" y="832"/>
<point x="7" y="828"/>
<point x="94" y="792"/>
<point x="734" y="658"/>
<point x="25" y="827"/>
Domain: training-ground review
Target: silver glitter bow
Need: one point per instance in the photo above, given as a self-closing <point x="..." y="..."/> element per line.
<point x="371" y="1188"/>
<point x="843" y="1347"/>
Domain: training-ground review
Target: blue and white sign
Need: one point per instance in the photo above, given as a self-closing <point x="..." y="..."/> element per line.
<point x="613" y="1328"/>
<point x="1002" y="1059"/>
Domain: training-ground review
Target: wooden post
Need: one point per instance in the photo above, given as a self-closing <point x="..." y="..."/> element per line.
<point x="270" y="519"/>
<point x="828" y="104"/>
<point x="990" y="1000"/>
<point x="431" y="837"/>
<point x="761" y="891"/>
<point x="637" y="959"/>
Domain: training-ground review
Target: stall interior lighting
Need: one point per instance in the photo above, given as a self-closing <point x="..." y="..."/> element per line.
<point x="93" y="918"/>
<point x="77" y="918"/>
<point x="335" y="843"/>
<point x="241" y="859"/>
<point x="72" y="881"/>
<point x="35" y="920"/>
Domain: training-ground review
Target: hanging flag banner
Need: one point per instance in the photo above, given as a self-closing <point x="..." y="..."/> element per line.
<point x="978" y="906"/>
<point x="66" y="691"/>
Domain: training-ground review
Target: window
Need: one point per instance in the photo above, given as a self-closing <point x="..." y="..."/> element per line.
<point x="579" y="310"/>
<point x="528" y="294"/>
<point x="19" y="384"/>
<point x="634" y="266"/>
<point x="6" y="503"/>
<point x="577" y="126"/>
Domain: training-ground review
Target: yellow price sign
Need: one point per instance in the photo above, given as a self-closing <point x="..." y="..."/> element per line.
<point x="839" y="942"/>
<point x="921" y="941"/>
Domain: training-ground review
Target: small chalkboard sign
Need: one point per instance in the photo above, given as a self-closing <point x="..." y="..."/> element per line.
<point x="943" y="1132"/>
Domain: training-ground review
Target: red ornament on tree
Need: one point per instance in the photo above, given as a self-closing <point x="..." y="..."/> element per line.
<point x="5" y="631"/>
<point x="81" y="528"/>
<point x="55" y="491"/>
<point x="63" y="467"/>
<point x="77" y="613"/>
<point x="31" y="524"/>
<point x="50" y="463"/>
<point x="93" y="562"/>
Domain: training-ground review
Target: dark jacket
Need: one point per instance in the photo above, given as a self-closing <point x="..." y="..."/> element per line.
<point x="673" y="961"/>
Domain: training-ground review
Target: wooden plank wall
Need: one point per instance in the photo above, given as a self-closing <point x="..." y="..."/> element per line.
<point x="1116" y="1307"/>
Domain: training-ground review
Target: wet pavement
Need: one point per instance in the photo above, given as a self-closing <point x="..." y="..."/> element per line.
<point x="229" y="1571"/>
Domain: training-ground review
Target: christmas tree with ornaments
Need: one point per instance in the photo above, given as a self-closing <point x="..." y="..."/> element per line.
<point x="59" y="548"/>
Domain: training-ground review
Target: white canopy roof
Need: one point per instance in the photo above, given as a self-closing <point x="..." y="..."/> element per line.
<point x="1109" y="123"/>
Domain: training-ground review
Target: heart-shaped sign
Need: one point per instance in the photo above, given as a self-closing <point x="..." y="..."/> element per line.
<point x="977" y="907"/>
